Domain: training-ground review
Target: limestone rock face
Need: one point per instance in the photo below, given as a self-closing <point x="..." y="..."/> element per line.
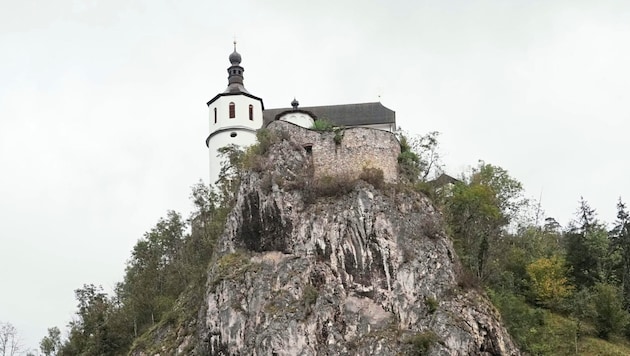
<point x="366" y="273"/>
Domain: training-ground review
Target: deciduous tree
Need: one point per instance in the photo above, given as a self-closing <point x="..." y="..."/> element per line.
<point x="51" y="343"/>
<point x="10" y="343"/>
<point x="93" y="331"/>
<point x="419" y="157"/>
<point x="478" y="212"/>
<point x="153" y="279"/>
<point x="609" y="313"/>
<point x="548" y="280"/>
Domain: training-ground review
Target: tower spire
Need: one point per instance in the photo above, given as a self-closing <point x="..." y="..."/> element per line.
<point x="235" y="73"/>
<point x="235" y="115"/>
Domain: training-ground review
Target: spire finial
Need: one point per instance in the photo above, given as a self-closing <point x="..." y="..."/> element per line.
<point x="295" y="104"/>
<point x="235" y="57"/>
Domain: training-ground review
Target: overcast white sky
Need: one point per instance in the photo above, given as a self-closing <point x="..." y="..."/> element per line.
<point x="103" y="115"/>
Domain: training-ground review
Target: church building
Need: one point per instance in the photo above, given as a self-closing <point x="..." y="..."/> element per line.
<point x="235" y="115"/>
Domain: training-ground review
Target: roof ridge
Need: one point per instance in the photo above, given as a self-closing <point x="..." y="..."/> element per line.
<point x="335" y="105"/>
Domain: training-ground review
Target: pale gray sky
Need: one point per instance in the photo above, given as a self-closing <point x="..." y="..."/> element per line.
<point x="103" y="116"/>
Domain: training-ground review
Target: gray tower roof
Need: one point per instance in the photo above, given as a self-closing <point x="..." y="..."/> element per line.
<point x="235" y="74"/>
<point x="235" y="80"/>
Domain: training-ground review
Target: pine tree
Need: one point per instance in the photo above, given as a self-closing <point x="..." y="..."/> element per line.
<point x="620" y="236"/>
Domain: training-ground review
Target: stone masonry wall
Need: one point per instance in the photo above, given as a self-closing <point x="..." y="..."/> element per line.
<point x="359" y="148"/>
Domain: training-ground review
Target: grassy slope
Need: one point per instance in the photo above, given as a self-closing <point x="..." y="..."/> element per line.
<point x="540" y="332"/>
<point x="588" y="344"/>
<point x="557" y="337"/>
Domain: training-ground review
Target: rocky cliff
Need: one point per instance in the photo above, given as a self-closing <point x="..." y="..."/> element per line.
<point x="345" y="270"/>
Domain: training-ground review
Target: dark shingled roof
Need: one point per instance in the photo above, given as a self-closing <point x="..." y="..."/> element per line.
<point x="443" y="180"/>
<point x="342" y="115"/>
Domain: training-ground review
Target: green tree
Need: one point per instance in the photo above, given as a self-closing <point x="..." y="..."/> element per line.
<point x="51" y="343"/>
<point x="206" y="221"/>
<point x="581" y="309"/>
<point x="232" y="157"/>
<point x="163" y="263"/>
<point x="508" y="192"/>
<point x="518" y="250"/>
<point x="478" y="213"/>
<point x="529" y="327"/>
<point x="620" y="236"/>
<point x="587" y="249"/>
<point x="548" y="280"/>
<point x="474" y="219"/>
<point x="609" y="315"/>
<point x="551" y="225"/>
<point x="419" y="157"/>
<point x="90" y="332"/>
<point x="153" y="279"/>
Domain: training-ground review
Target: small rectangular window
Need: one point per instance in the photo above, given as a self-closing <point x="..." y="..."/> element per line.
<point x="251" y="112"/>
<point x="232" y="110"/>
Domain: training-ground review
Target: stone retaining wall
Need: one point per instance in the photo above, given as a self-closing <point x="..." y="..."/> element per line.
<point x="347" y="156"/>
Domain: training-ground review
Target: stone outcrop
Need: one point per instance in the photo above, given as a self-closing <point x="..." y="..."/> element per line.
<point x="368" y="272"/>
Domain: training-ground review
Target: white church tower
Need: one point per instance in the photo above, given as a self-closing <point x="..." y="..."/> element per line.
<point x="235" y="115"/>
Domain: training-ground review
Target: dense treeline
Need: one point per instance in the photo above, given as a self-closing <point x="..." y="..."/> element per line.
<point x="538" y="272"/>
<point x="167" y="266"/>
<point x="170" y="260"/>
<point x="554" y="286"/>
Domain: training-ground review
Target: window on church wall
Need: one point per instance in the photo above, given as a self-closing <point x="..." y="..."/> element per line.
<point x="215" y="115"/>
<point x="232" y="110"/>
<point x="251" y="112"/>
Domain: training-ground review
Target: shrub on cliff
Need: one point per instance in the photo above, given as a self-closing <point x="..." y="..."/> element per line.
<point x="373" y="176"/>
<point x="322" y="125"/>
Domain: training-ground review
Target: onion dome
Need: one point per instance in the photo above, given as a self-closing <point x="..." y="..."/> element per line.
<point x="235" y="57"/>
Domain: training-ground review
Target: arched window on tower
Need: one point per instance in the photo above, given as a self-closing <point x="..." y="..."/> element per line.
<point x="251" y="112"/>
<point x="232" y="110"/>
<point x="215" y="115"/>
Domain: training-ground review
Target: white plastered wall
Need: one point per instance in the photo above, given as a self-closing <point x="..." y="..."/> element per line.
<point x="239" y="130"/>
<point x="298" y="118"/>
<point x="241" y="104"/>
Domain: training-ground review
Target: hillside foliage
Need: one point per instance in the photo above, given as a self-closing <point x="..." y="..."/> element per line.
<point x="167" y="265"/>
<point x="537" y="273"/>
<point x="560" y="290"/>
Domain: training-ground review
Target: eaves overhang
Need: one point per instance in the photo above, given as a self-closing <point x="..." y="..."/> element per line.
<point x="239" y="93"/>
